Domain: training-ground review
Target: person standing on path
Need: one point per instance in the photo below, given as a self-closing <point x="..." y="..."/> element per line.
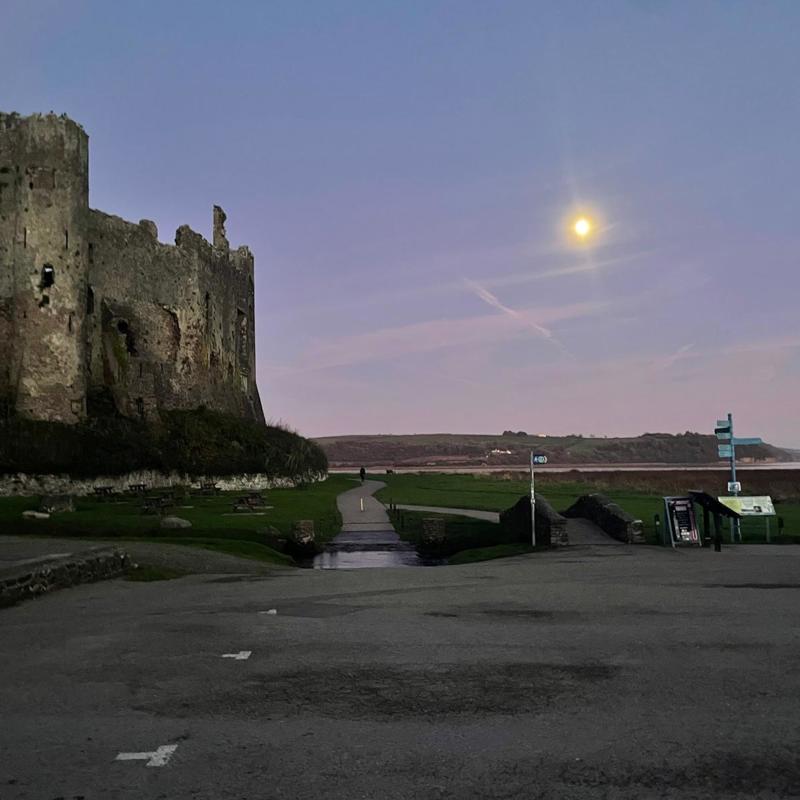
<point x="363" y="474"/>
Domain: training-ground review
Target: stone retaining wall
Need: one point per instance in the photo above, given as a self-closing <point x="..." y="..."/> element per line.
<point x="33" y="485"/>
<point x="32" y="580"/>
<point x="551" y="527"/>
<point x="608" y="516"/>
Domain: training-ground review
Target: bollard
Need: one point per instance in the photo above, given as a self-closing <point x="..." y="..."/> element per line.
<point x="657" y="525"/>
<point x="362" y="503"/>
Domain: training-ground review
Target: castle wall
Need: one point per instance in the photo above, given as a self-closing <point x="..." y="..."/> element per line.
<point x="128" y="323"/>
<point x="43" y="265"/>
<point x="172" y="325"/>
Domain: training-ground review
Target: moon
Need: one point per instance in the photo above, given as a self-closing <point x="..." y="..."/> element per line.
<point x="582" y="227"/>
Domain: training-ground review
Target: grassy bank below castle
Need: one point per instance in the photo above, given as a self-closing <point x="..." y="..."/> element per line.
<point x="215" y="525"/>
<point x="193" y="442"/>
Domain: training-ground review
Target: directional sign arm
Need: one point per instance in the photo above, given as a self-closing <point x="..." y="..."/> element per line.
<point x="747" y="440"/>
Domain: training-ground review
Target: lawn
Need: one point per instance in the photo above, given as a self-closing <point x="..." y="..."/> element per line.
<point x="496" y="492"/>
<point x="214" y="524"/>
<point x="462" y="533"/>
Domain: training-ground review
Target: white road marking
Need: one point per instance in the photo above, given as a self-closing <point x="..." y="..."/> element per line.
<point x="272" y="611"/>
<point x="242" y="655"/>
<point x="157" y="758"/>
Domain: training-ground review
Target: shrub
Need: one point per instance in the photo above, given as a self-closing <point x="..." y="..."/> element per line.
<point x="197" y="442"/>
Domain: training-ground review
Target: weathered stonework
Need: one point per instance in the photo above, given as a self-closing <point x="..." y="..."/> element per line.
<point x="20" y="485"/>
<point x="31" y="580"/>
<point x="609" y="517"/>
<point x="95" y="311"/>
<point x="551" y="527"/>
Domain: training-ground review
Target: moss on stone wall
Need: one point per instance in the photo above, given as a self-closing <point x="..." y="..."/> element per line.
<point x="198" y="442"/>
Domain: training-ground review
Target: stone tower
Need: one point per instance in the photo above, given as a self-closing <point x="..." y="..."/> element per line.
<point x="44" y="206"/>
<point x="97" y="315"/>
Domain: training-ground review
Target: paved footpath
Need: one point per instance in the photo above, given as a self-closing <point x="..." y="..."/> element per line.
<point x="368" y="538"/>
<point x="489" y="516"/>
<point x="372" y="518"/>
<point x="617" y="672"/>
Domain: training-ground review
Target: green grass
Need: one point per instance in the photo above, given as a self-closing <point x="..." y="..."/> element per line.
<point x="212" y="518"/>
<point x="461" y="533"/>
<point x="489" y="553"/>
<point x="493" y="492"/>
<point x="146" y="573"/>
<point x="233" y="547"/>
<point x="482" y="492"/>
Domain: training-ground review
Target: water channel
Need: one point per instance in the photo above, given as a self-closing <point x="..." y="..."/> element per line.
<point x="358" y="549"/>
<point x="368" y="538"/>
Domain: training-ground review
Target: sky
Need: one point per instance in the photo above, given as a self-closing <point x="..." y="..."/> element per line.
<point x="405" y="173"/>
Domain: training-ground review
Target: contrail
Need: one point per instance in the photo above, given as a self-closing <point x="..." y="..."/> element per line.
<point x="492" y="300"/>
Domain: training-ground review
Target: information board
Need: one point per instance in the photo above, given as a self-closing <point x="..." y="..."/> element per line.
<point x="750" y="506"/>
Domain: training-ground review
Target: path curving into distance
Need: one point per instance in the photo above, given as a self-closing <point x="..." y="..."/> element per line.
<point x="367" y="538"/>
<point x="489" y="516"/>
<point x="373" y="518"/>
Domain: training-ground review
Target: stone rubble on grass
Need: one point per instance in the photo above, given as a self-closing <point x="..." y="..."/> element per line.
<point x="301" y="542"/>
<point x="57" y="503"/>
<point x="433" y="535"/>
<point x="171" y="523"/>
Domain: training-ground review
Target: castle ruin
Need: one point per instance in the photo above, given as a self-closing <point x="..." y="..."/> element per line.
<point x="96" y="314"/>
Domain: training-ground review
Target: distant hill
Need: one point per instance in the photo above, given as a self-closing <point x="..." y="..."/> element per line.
<point x="513" y="449"/>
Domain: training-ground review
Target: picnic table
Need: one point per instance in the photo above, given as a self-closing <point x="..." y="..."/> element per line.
<point x="137" y="488"/>
<point x="209" y="488"/>
<point x="104" y="492"/>
<point x="249" y="502"/>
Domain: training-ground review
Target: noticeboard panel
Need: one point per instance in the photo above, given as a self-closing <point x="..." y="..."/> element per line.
<point x="750" y="506"/>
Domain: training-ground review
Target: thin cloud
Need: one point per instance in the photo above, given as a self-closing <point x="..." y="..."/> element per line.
<point x="415" y="286"/>
<point x="519" y="278"/>
<point x="424" y="337"/>
<point x="666" y="362"/>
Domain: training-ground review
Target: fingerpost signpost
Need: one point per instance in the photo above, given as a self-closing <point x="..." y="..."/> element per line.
<point x="726" y="448"/>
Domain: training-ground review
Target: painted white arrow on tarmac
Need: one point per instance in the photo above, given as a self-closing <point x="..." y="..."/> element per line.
<point x="242" y="655"/>
<point x="157" y="758"/>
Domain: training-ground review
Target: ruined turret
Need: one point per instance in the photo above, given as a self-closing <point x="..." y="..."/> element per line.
<point x="44" y="201"/>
